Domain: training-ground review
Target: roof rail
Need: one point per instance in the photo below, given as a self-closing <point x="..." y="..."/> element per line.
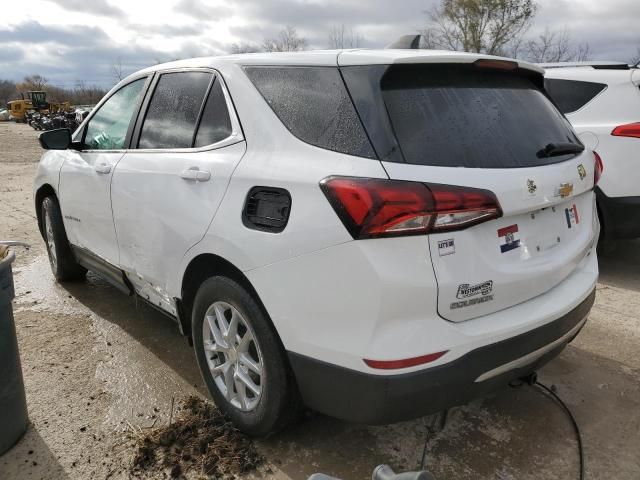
<point x="598" y="65"/>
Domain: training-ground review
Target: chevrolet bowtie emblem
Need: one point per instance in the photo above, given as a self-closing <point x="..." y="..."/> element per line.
<point x="565" y="189"/>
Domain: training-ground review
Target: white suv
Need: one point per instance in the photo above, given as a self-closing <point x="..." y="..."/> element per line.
<point x="602" y="102"/>
<point x="378" y="233"/>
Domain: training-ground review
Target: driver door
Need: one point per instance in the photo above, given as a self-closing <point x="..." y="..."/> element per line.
<point x="85" y="177"/>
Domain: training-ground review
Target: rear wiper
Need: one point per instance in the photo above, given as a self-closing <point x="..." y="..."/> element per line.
<point x="554" y="149"/>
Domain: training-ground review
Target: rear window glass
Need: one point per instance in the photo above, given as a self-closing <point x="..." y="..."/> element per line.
<point x="462" y="116"/>
<point x="215" y="124"/>
<point x="173" y="112"/>
<point x="572" y="95"/>
<point x="312" y="102"/>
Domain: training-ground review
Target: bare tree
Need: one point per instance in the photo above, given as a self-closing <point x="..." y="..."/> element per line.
<point x="286" y="41"/>
<point x="482" y="26"/>
<point x="33" y="82"/>
<point x="555" y="46"/>
<point x="7" y="92"/>
<point x="117" y="71"/>
<point x="635" y="60"/>
<point x="341" y="37"/>
<point x="244" y="47"/>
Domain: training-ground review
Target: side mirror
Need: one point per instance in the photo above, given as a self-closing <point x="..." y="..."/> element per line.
<point x="59" y="139"/>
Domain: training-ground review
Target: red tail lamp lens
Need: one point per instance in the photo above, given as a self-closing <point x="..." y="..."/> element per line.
<point x="628" y="130"/>
<point x="371" y="207"/>
<point x="599" y="168"/>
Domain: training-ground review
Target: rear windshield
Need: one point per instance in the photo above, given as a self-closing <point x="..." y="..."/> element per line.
<point x="458" y="116"/>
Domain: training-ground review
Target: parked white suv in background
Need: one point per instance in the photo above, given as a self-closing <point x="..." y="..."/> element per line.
<point x="602" y="102"/>
<point x="379" y="233"/>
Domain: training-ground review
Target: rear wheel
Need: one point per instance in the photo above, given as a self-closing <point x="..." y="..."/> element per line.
<point x="61" y="258"/>
<point x="240" y="358"/>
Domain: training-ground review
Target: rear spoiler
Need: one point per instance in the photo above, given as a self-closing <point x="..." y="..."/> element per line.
<point x="597" y="65"/>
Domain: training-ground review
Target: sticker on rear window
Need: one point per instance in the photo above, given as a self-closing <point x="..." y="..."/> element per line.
<point x="446" y="247"/>
<point x="572" y="216"/>
<point x="509" y="238"/>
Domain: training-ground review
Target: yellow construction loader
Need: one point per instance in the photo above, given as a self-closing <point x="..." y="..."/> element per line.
<point x="34" y="101"/>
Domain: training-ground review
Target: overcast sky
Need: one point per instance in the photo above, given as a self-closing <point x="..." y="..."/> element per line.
<point x="71" y="40"/>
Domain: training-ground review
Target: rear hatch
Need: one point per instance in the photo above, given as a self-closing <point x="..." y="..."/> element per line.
<point x="486" y="125"/>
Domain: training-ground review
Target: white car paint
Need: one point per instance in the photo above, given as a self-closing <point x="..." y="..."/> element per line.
<point x="329" y="296"/>
<point x="618" y="104"/>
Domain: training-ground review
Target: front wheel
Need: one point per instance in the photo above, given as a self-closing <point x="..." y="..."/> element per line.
<point x="240" y="358"/>
<point x="61" y="258"/>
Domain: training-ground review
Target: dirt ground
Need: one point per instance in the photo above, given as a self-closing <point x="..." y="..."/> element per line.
<point x="98" y="366"/>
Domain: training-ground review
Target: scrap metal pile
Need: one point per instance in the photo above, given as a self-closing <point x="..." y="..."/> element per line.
<point x="53" y="120"/>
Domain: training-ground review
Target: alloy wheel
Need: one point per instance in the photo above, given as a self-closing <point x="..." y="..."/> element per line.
<point x="233" y="356"/>
<point x="51" y="246"/>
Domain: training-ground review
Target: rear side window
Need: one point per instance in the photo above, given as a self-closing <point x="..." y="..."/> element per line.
<point x="572" y="95"/>
<point x="313" y="103"/>
<point x="464" y="116"/>
<point x="173" y="112"/>
<point x="215" y="124"/>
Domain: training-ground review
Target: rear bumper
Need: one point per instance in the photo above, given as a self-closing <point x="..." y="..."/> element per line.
<point x="621" y="215"/>
<point x="379" y="399"/>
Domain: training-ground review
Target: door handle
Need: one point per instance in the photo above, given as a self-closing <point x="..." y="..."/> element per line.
<point x="102" y="168"/>
<point x="194" y="173"/>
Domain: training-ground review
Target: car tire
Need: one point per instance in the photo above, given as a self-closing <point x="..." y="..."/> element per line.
<point x="226" y="359"/>
<point x="63" y="263"/>
<point x="606" y="244"/>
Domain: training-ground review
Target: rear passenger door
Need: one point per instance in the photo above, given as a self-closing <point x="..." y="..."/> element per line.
<point x="167" y="188"/>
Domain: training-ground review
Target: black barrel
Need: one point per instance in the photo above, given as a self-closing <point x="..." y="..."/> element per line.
<point x="13" y="403"/>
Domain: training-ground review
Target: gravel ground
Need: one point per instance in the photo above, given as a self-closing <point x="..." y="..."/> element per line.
<point x="98" y="366"/>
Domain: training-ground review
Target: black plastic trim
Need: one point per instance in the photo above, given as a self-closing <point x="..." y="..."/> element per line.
<point x="381" y="399"/>
<point x="270" y="224"/>
<point x="110" y="273"/>
<point x="621" y="215"/>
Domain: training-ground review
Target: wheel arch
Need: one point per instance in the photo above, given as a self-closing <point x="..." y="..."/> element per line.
<point x="45" y="190"/>
<point x="200" y="268"/>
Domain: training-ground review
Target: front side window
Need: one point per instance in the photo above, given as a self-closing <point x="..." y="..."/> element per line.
<point x="174" y="109"/>
<point x="107" y="129"/>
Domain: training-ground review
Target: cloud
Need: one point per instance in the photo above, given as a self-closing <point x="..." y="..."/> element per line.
<point x="378" y="21"/>
<point x="167" y="30"/>
<point x="68" y="54"/>
<point x="203" y="11"/>
<point x="35" y="33"/>
<point x="141" y="34"/>
<point x="95" y="7"/>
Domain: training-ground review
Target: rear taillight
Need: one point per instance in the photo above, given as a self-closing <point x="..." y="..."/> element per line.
<point x="628" y="130"/>
<point x="373" y="208"/>
<point x="597" y="171"/>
